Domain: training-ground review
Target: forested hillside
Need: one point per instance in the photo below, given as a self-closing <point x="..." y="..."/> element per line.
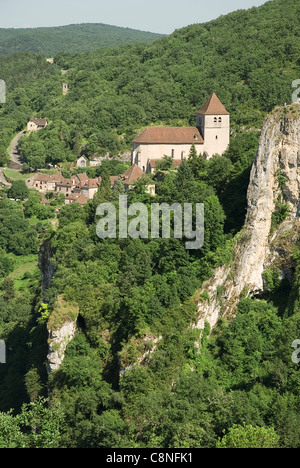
<point x="134" y="300"/>
<point x="73" y="38"/>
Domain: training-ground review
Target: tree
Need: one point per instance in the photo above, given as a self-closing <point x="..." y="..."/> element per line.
<point x="37" y="426"/>
<point x="218" y="172"/>
<point x="104" y="193"/>
<point x="165" y="164"/>
<point x="249" y="437"/>
<point x="184" y="184"/>
<point x="33" y="152"/>
<point x="197" y="163"/>
<point x="18" y="190"/>
<point x="118" y="189"/>
<point x="8" y="288"/>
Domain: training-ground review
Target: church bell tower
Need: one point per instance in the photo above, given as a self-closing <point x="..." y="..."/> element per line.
<point x="213" y="121"/>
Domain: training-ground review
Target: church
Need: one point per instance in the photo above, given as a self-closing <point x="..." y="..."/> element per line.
<point x="210" y="136"/>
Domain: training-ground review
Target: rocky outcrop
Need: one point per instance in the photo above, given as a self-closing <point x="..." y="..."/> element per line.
<point x="62" y="326"/>
<point x="137" y="352"/>
<point x="275" y="178"/>
<point x="58" y="341"/>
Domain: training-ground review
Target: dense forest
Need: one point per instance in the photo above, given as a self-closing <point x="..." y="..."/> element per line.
<point x="74" y="38"/>
<point x="133" y="295"/>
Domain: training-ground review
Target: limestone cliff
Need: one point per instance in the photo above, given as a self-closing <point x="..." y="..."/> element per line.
<point x="61" y="326"/>
<point x="274" y="183"/>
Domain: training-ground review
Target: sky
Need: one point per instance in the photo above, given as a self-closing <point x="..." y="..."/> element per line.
<point x="161" y="16"/>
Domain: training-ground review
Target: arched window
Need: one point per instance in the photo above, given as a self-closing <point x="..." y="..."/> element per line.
<point x="215" y="119"/>
<point x="173" y="154"/>
<point x="220" y="119"/>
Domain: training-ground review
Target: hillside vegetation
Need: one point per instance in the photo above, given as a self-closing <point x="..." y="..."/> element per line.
<point x="138" y="298"/>
<point x="73" y="38"/>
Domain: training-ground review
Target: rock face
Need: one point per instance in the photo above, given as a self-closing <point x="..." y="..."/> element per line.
<point x="62" y="326"/>
<point x="275" y="177"/>
<point x="58" y="341"/>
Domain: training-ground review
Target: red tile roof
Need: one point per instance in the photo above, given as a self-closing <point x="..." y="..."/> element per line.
<point x="213" y="106"/>
<point x="91" y="183"/>
<point x="82" y="177"/>
<point x="42" y="178"/>
<point x="78" y="198"/>
<point x="132" y="175"/>
<point x="170" y="135"/>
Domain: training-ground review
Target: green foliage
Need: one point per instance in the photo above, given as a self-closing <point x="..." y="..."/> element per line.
<point x="249" y="437"/>
<point x="280" y="214"/>
<point x="235" y="385"/>
<point x="75" y="38"/>
<point x="107" y="105"/>
<point x="35" y="427"/>
<point x="16" y="234"/>
<point x="165" y="164"/>
<point x="272" y="279"/>
<point x="18" y="190"/>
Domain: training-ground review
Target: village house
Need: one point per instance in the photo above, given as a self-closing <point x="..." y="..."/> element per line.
<point x="72" y="188"/>
<point x="36" y="124"/>
<point x="131" y="176"/>
<point x="79" y="188"/>
<point x="210" y="136"/>
<point x="90" y="187"/>
<point x="76" y="198"/>
<point x="65" y="186"/>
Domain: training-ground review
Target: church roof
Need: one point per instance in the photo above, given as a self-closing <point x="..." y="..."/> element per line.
<point x="213" y="106"/>
<point x="170" y="135"/>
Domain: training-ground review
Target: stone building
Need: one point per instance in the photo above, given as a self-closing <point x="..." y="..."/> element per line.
<point x="81" y="162"/>
<point x="210" y="136"/>
<point x="65" y="89"/>
<point x="36" y="124"/>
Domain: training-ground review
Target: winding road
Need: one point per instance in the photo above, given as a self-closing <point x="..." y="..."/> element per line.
<point x="15" y="162"/>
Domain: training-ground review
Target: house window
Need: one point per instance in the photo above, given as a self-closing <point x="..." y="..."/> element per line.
<point x="216" y="137"/>
<point x="215" y="119"/>
<point x="143" y="168"/>
<point x="173" y="153"/>
<point x="220" y="119"/>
